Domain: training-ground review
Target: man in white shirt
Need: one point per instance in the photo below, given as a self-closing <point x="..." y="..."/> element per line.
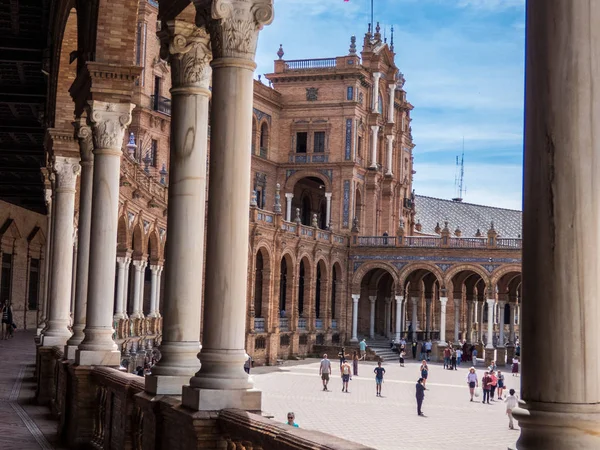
<point x="511" y="403"/>
<point x="325" y="371"/>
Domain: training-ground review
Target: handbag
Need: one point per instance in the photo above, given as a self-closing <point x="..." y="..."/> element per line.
<point x="477" y="392"/>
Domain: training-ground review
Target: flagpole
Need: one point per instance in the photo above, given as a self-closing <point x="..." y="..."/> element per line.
<point x="372" y="23"/>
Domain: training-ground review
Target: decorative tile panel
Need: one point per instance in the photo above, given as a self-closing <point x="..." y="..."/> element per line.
<point x="347" y="155"/>
<point x="346" y="208"/>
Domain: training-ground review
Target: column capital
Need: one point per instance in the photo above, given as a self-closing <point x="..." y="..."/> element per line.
<point x="290" y="195"/>
<point x="375" y="128"/>
<point x="328" y="195"/>
<point x="414" y="300"/>
<point x="443" y="300"/>
<point x="84" y="135"/>
<point x="491" y="302"/>
<point x="502" y="303"/>
<point x="376" y="76"/>
<point x="109" y="121"/>
<point x="390" y="138"/>
<point x="355" y="298"/>
<point x="456" y="301"/>
<point x="372" y="298"/>
<point x="234" y="25"/>
<point x="388" y="300"/>
<point x="138" y="264"/>
<point x="48" y="197"/>
<point x="66" y="170"/>
<point x="187" y="48"/>
<point x="392" y="87"/>
<point x="155" y="268"/>
<point x="399" y="298"/>
<point x="123" y="260"/>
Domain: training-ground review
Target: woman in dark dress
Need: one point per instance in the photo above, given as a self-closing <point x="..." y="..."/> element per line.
<point x="355" y="363"/>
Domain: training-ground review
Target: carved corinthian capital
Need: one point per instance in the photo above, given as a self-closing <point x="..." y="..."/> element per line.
<point x="109" y="121"/>
<point x="187" y="48"/>
<point x="235" y="25"/>
<point x="84" y="134"/>
<point x="66" y="170"/>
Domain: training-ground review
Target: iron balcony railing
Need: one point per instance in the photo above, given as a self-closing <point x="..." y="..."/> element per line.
<point x="161" y="104"/>
<point x="306" y="64"/>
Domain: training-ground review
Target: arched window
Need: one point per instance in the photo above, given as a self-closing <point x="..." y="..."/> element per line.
<point x="258" y="285"/>
<point x="301" y="289"/>
<point x="318" y="293"/>
<point x="333" y="292"/>
<point x="380" y="104"/>
<point x="254" y="131"/>
<point x="264" y="140"/>
<point x="282" y="285"/>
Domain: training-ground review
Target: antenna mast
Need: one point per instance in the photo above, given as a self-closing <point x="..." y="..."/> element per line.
<point x="460" y="175"/>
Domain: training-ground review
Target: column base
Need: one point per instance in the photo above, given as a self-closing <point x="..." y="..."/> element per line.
<point x="216" y="399"/>
<point x="165" y="384"/>
<point x="489" y="354"/>
<point x="70" y="351"/>
<point x="54" y="341"/>
<point x="501" y="356"/>
<point x="554" y="426"/>
<point x="354" y="339"/>
<point x="98" y="358"/>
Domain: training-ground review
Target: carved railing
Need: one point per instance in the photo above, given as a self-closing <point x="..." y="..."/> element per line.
<point x="376" y="241"/>
<point x="302" y="324"/>
<point x="284" y="324"/>
<point x="436" y="241"/>
<point x="508" y="243"/>
<point x="259" y="324"/>
<point x="420" y="241"/>
<point x="468" y="242"/>
<point x="308" y="64"/>
<point x="133" y="174"/>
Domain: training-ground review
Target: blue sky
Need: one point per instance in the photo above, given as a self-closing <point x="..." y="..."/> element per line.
<point x="463" y="64"/>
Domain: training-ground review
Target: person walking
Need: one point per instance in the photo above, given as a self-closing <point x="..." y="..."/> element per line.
<point x="486" y="383"/>
<point x="515" y="367"/>
<point x="428" y="346"/>
<point x="355" y="363"/>
<point x="474" y="353"/>
<point x="500" y="384"/>
<point x="325" y="371"/>
<point x="472" y="381"/>
<point x="459" y="354"/>
<point x="424" y="373"/>
<point x="414" y="349"/>
<point x="345" y="370"/>
<point x="378" y="371"/>
<point x="402" y="355"/>
<point x="420" y="394"/>
<point x="511" y="403"/>
<point x="7" y="320"/>
<point x="423" y="354"/>
<point x="362" y="347"/>
<point x="446" y="358"/>
<point x="248" y="364"/>
<point x="453" y="359"/>
<point x="493" y="384"/>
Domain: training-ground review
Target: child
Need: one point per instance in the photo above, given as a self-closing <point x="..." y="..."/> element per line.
<point x="379" y="371"/>
<point x="511" y="403"/>
<point x="402" y="355"/>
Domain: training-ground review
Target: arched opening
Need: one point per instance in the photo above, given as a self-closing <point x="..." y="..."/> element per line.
<point x="374" y="308"/>
<point x="286" y="284"/>
<point x="335" y="285"/>
<point x="318" y="293"/>
<point x="254" y="134"/>
<point x="66" y="73"/>
<point x="323" y="225"/>
<point x="264" y="140"/>
<point x="358" y="206"/>
<point x="306" y="211"/>
<point x="463" y="307"/>
<point x="301" y="286"/>
<point x="258" y="285"/>
<point x="309" y="196"/>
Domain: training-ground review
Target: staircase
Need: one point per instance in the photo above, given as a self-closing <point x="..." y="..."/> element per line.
<point x="381" y="346"/>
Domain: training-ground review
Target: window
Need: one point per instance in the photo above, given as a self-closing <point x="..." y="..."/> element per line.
<point x="319" y="142"/>
<point x="34" y="283"/>
<point x="6" y="276"/>
<point x="154" y="152"/>
<point x="260" y="343"/>
<point x="380" y="105"/>
<point x="359" y="149"/>
<point x="350" y="93"/>
<point x="301" y="141"/>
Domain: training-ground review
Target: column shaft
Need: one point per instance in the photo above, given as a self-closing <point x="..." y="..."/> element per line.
<point x="490" y="329"/>
<point x="457" y="302"/>
<point x="428" y="317"/>
<point x="328" y="210"/>
<point x="355" y="299"/>
<point x="389" y="154"/>
<point x="392" y="89"/>
<point x="374" y="140"/>
<point x="47" y="262"/>
<point x="399" y="300"/>
<point x="119" y="302"/>
<point x="414" y="317"/>
<point x="470" y="312"/>
<point x="443" y="302"/>
<point x="511" y="336"/>
<point x="137" y="284"/>
<point x="501" y="306"/>
<point x="288" y="206"/>
<point x="153" y="290"/>
<point x="372" y="300"/>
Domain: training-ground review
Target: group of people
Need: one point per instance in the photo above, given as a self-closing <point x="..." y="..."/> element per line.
<point x="8" y="325"/>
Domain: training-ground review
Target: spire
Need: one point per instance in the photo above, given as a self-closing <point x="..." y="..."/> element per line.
<point x="378" y="32"/>
<point x="353" y="45"/>
<point x="392" y="39"/>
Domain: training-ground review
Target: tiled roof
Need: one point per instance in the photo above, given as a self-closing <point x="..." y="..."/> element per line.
<point x="468" y="217"/>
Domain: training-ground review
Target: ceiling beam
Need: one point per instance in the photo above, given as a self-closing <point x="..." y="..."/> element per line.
<point x="20" y="169"/>
<point x="22" y="55"/>
<point x="16" y="150"/>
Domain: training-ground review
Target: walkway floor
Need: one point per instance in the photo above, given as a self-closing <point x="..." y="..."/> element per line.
<point x="23" y="424"/>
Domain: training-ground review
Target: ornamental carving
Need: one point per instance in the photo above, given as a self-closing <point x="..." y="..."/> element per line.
<point x="67" y="170"/>
<point x="235" y="26"/>
<point x="109" y="121"/>
<point x="84" y="135"/>
<point x="187" y="47"/>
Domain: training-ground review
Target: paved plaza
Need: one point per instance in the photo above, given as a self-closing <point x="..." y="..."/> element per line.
<point x="390" y="422"/>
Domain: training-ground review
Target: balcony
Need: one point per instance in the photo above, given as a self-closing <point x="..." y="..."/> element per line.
<point x="309" y="64"/>
<point x="284" y="324"/>
<point x="437" y="242"/>
<point x="160" y="104"/>
<point x="376" y="241"/>
<point x="319" y="324"/>
<point x="302" y="324"/>
<point x="334" y="324"/>
<point x="259" y="324"/>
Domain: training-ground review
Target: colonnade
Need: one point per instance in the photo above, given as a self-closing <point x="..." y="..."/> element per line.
<point x="221" y="382"/>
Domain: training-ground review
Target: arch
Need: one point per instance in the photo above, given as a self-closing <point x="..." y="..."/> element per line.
<point x="304" y="280"/>
<point x="321" y="279"/>
<point x="410" y="268"/>
<point x="255" y="148"/>
<point x="123" y="234"/>
<point x="336" y="284"/>
<point x="503" y="270"/>
<point x="264" y="138"/>
<point x="154" y="250"/>
<point x="262" y="265"/>
<point x="137" y="241"/>
<point x="291" y="181"/>
<point x="286" y="274"/>
<point x="366" y="268"/>
<point x="458" y="268"/>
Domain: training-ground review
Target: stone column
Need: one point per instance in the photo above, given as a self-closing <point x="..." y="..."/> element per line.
<point x="48" y="260"/>
<point x="399" y="300"/>
<point x="73" y="280"/>
<point x="121" y="286"/>
<point x="153" y="290"/>
<point x="390" y="149"/>
<point x="470" y="313"/>
<point x="428" y="318"/>
<point x="288" y="206"/>
<point x="501" y="305"/>
<point x="222" y="381"/>
<point x="57" y="332"/>
<point x="372" y="300"/>
<point x="388" y="316"/>
<point x="490" y="325"/>
<point x="374" y="140"/>
<point x="328" y="210"/>
<point x="376" y="77"/>
<point x="140" y="301"/>
<point x="355" y="299"/>
<point x="86" y="147"/>
<point x="136" y="312"/>
<point x="457" y="320"/>
<point x="443" y="302"/>
<point x="126" y="288"/>
<point x="392" y="90"/>
<point x="561" y="383"/>
<point x="109" y="121"/>
<point x="415" y="301"/>
<point x="158" y="284"/>
<point x="511" y="335"/>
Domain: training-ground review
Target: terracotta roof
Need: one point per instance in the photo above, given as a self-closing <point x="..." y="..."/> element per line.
<point x="467" y="217"/>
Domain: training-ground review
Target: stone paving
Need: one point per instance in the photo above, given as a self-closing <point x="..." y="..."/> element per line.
<point x="390" y="422"/>
<point x="23" y="424"/>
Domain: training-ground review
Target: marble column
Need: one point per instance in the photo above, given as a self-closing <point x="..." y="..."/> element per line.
<point x="392" y="90"/>
<point x="289" y="196"/>
<point x="154" y="269"/>
<point x="443" y="302"/>
<point x="389" y="155"/>
<point x="560" y="384"/>
<point x="73" y="281"/>
<point x="399" y="301"/>
<point x="140" y="301"/>
<point x="137" y="277"/>
<point x="511" y="335"/>
<point x="470" y="313"/>
<point x="428" y="318"/>
<point x="376" y="77"/>
<point x="501" y="305"/>
<point x="374" y="140"/>
<point x="372" y="301"/>
<point x="109" y="121"/>
<point x="328" y="210"/>
<point x="86" y="147"/>
<point x="457" y="319"/>
<point x="47" y="262"/>
<point x="158" y="285"/>
<point x="222" y="381"/>
<point x="490" y="325"/>
<point x="126" y="288"/>
<point x="388" y="317"/>
<point x="415" y="301"/>
<point x="355" y="299"/>
<point x="57" y="332"/>
<point x="121" y="288"/>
